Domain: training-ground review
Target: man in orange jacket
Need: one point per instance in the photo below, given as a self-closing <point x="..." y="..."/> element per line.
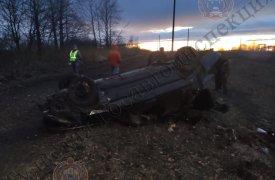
<point x="114" y="59"/>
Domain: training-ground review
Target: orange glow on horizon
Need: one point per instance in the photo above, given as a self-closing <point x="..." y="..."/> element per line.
<point x="246" y="42"/>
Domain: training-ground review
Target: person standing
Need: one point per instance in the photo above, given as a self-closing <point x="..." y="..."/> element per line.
<point x="75" y="57"/>
<point x="157" y="57"/>
<point x="114" y="59"/>
<point x="222" y="72"/>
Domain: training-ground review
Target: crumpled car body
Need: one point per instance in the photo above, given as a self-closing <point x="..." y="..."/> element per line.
<point x="163" y="85"/>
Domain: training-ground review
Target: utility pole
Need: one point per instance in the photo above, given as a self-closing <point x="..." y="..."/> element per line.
<point x="159" y="41"/>
<point x="173" y="30"/>
<point x="240" y="48"/>
<point x="188" y="38"/>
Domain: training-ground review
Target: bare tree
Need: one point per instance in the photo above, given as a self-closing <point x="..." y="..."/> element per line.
<point x="131" y="41"/>
<point x="37" y="22"/>
<point x="52" y="13"/>
<point x="110" y="16"/>
<point x="103" y="16"/>
<point x="93" y="13"/>
<point x="98" y="21"/>
<point x="90" y="11"/>
<point x="69" y="23"/>
<point x="30" y="30"/>
<point x="64" y="22"/>
<point x="12" y="16"/>
<point x="61" y="21"/>
<point x="64" y="14"/>
<point x="37" y="16"/>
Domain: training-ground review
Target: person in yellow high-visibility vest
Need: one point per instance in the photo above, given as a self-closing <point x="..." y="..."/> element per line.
<point x="74" y="61"/>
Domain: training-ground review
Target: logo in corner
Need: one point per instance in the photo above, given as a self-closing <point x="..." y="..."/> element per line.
<point x="216" y="9"/>
<point x="70" y="170"/>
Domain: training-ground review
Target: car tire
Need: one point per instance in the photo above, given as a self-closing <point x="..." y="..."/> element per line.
<point x="83" y="92"/>
<point x="186" y="60"/>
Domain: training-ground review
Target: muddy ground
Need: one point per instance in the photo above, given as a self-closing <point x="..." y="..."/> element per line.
<point x="216" y="146"/>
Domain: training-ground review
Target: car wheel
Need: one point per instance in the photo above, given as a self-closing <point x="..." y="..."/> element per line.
<point x="187" y="60"/>
<point x="83" y="92"/>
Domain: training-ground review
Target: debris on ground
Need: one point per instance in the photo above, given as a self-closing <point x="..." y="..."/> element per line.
<point x="172" y="127"/>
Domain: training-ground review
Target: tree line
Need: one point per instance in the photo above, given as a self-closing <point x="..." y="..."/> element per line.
<point x="35" y="24"/>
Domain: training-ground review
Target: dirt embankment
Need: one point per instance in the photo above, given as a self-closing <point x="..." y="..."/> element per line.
<point x="217" y="146"/>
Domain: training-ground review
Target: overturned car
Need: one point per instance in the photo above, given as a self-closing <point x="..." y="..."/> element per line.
<point x="163" y="87"/>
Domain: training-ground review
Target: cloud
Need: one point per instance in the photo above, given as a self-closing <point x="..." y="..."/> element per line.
<point x="148" y="19"/>
<point x="168" y="30"/>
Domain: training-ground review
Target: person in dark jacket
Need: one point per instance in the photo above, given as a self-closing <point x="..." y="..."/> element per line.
<point x="157" y="57"/>
<point x="221" y="74"/>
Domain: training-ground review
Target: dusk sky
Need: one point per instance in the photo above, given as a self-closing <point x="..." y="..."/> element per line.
<point x="149" y="18"/>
